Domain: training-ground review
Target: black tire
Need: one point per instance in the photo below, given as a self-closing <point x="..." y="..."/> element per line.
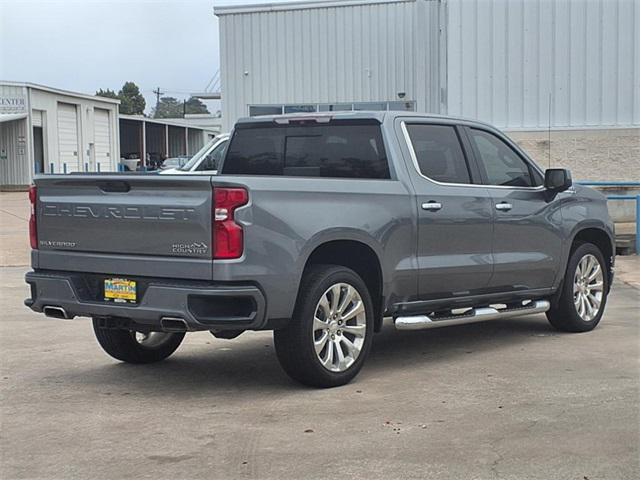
<point x="564" y="315"/>
<point x="295" y="343"/>
<point x="122" y="345"/>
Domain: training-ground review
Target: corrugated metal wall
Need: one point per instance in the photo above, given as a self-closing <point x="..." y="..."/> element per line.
<point x="177" y="141"/>
<point x="331" y="54"/>
<point x="506" y="57"/>
<point x="196" y="140"/>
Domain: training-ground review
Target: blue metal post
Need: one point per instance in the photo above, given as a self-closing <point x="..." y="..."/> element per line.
<point x="637" y="224"/>
<point x="51" y="165"/>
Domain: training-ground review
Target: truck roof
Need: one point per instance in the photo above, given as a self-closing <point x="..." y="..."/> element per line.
<point x="378" y="116"/>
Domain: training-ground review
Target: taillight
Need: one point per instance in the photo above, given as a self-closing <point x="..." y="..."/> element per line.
<point x="33" y="230"/>
<point x="227" y="234"/>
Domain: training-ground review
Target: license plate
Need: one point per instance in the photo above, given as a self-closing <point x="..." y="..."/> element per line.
<point x="120" y="290"/>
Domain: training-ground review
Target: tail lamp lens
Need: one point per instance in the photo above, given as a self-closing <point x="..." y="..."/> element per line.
<point x="33" y="230"/>
<point x="228" y="240"/>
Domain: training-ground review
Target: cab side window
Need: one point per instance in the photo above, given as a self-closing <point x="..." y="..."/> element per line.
<point x="439" y="153"/>
<point x="502" y="165"/>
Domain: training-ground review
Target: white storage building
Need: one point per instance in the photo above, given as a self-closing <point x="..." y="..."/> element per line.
<point x="48" y="130"/>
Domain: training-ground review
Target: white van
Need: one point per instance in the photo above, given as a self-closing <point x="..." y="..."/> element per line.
<point x="205" y="161"/>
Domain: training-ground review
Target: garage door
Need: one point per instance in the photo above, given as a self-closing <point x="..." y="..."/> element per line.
<point x="68" y="138"/>
<point x="102" y="139"/>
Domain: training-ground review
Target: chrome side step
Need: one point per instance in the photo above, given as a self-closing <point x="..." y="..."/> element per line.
<point x="421" y="322"/>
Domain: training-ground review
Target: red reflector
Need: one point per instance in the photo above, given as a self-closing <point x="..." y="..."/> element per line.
<point x="33" y="230"/>
<point x="228" y="240"/>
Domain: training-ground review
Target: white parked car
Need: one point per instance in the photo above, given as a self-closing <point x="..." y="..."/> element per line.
<point x="205" y="161"/>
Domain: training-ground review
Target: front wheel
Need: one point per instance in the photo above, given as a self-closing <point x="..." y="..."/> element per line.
<point x="330" y="334"/>
<point x="584" y="291"/>
<point x="137" y="347"/>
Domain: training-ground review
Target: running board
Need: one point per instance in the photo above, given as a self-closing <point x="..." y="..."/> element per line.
<point x="421" y="322"/>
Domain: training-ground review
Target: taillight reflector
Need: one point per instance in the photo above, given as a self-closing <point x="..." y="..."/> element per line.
<point x="33" y="229"/>
<point x="228" y="240"/>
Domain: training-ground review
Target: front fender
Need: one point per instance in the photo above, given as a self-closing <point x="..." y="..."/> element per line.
<point x="582" y="210"/>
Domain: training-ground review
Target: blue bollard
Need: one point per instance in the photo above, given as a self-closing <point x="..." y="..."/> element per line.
<point x="637" y="224"/>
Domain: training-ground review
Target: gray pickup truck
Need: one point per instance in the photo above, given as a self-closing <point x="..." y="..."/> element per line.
<point x="318" y="227"/>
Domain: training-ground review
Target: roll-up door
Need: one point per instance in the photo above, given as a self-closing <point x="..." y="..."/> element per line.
<point x="102" y="139"/>
<point x="68" y="138"/>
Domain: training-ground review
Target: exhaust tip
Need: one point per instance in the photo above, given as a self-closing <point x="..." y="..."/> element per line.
<point x="56" y="312"/>
<point x="172" y="324"/>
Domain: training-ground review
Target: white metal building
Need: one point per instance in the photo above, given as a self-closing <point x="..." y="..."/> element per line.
<point x="49" y="130"/>
<point x="522" y="65"/>
<point x="497" y="60"/>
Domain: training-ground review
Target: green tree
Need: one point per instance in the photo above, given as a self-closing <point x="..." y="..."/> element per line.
<point x="194" y="105"/>
<point x="131" y="100"/>
<point x="171" y="107"/>
<point x="106" y="93"/>
<point x="168" y="107"/>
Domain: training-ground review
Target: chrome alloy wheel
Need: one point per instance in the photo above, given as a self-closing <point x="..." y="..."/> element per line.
<point x="588" y="287"/>
<point x="339" y="327"/>
<point x="151" y="339"/>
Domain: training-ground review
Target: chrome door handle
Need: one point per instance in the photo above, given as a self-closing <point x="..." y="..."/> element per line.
<point x="504" y="206"/>
<point x="432" y="206"/>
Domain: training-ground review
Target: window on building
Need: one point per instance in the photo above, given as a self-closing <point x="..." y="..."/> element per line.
<point x="346" y="150"/>
<point x="502" y="165"/>
<point x="335" y="107"/>
<point x="439" y="153"/>
<point x="370" y="106"/>
<point x="299" y="108"/>
<point x="257" y="110"/>
<point x="403" y="106"/>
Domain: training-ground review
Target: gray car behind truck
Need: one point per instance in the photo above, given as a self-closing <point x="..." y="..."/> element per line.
<point x="317" y="227"/>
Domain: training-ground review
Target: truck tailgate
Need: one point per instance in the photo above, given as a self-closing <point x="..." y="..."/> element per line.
<point x="138" y="215"/>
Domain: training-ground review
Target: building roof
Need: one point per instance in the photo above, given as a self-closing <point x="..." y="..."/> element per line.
<point x="302" y="5"/>
<point x="173" y="122"/>
<point x="59" y="91"/>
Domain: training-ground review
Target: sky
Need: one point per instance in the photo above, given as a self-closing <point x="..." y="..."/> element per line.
<point x="84" y="45"/>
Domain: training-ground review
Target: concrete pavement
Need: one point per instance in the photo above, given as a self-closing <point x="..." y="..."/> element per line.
<point x="509" y="399"/>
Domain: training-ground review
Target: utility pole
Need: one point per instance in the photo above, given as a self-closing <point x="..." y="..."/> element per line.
<point x="157" y="93"/>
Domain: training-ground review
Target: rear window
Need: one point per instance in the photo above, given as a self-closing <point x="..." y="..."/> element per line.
<point x="341" y="151"/>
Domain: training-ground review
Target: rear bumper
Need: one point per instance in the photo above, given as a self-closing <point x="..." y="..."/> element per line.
<point x="200" y="306"/>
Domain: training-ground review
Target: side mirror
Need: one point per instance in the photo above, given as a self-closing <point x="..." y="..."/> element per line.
<point x="557" y="179"/>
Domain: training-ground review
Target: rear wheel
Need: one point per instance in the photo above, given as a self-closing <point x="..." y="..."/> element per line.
<point x="330" y="334"/>
<point x="137" y="347"/>
<point x="584" y="291"/>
